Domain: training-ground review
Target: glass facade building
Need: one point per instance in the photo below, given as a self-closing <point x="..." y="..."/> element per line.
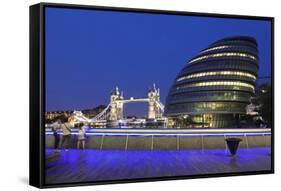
<point x="214" y="88"/>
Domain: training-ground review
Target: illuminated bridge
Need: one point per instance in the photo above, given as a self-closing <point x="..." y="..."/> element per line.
<point x="114" y="110"/>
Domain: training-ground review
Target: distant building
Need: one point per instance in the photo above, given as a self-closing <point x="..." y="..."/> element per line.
<point x="214" y="88"/>
<point x="50" y="116"/>
<point x="54" y="114"/>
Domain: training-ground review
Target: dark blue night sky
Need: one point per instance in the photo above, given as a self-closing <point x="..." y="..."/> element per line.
<point x="89" y="53"/>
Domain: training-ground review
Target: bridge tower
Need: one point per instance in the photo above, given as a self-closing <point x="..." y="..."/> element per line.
<point x="116" y="108"/>
<point x="154" y="97"/>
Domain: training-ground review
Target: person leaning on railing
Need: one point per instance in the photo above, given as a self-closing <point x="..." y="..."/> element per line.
<point x="55" y="127"/>
<point x="66" y="126"/>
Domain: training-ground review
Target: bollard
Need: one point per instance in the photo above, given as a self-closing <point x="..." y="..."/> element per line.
<point x="232" y="144"/>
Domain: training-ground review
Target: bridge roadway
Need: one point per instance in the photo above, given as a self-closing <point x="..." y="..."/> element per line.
<point x="132" y="99"/>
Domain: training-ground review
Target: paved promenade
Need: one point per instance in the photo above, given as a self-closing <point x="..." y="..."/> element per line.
<point x="94" y="165"/>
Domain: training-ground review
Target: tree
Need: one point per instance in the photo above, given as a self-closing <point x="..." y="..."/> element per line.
<point x="264" y="99"/>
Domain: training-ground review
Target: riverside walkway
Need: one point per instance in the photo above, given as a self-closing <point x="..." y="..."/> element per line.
<point x="98" y="165"/>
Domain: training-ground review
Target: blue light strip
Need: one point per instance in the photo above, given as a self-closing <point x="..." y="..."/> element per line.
<point x="169" y="134"/>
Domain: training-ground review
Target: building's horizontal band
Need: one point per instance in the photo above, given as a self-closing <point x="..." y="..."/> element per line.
<point x="228" y="73"/>
<point x="217" y="93"/>
<point x="229" y="48"/>
<point x="242" y="45"/>
<point x="235" y="84"/>
<point x="224" y="59"/>
<point x="221" y="65"/>
<point x="193" y="113"/>
<point x="188" y="72"/>
<point x="237" y="39"/>
<point x="194" y="96"/>
<point x="210" y="99"/>
<point x="241" y="42"/>
<point x="215" y="79"/>
<point x="207" y="107"/>
<point x="224" y="55"/>
<point x="208" y="88"/>
<point x="206" y="96"/>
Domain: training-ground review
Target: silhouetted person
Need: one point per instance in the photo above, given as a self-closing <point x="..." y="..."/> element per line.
<point x="82" y="136"/>
<point x="66" y="134"/>
<point x="56" y="134"/>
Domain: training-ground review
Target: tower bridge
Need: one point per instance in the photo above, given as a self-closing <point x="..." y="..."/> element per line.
<point x="115" y="109"/>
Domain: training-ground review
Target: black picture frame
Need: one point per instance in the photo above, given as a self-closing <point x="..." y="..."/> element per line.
<point x="37" y="93"/>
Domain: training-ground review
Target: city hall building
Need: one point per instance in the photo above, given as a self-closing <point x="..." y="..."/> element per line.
<point x="214" y="88"/>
